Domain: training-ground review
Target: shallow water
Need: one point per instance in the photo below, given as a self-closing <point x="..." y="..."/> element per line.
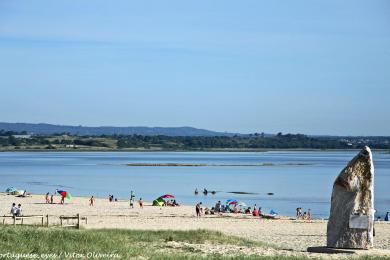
<point x="297" y="178"/>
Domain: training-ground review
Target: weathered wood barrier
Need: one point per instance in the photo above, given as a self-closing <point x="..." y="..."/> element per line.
<point x="22" y="218"/>
<point x="77" y="224"/>
<point x="62" y="218"/>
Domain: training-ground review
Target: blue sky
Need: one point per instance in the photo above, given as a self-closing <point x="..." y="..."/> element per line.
<point x="314" y="67"/>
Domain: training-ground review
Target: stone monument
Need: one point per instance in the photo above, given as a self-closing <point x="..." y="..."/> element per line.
<point x="352" y="211"/>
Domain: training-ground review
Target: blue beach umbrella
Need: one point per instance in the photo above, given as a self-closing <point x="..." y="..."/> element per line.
<point x="11" y="189"/>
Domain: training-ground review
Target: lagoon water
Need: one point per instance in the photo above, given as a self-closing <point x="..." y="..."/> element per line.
<point x="297" y="178"/>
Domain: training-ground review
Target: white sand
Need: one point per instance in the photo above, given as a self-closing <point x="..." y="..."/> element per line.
<point x="287" y="234"/>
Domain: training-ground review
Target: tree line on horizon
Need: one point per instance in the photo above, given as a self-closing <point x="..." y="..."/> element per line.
<point x="162" y="142"/>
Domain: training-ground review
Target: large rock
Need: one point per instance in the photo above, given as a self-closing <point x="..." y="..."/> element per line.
<point x="352" y="210"/>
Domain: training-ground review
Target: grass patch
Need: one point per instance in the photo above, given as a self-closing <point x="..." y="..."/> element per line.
<point x="121" y="244"/>
<point x="73" y="243"/>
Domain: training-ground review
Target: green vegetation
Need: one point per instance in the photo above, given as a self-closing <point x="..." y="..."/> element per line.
<point x="123" y="243"/>
<point x="55" y="243"/>
<point x="11" y="141"/>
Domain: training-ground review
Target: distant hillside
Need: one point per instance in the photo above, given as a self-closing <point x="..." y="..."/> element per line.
<point x="47" y="129"/>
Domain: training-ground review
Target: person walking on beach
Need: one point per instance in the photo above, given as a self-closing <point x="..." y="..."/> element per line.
<point x="52" y="199"/>
<point x="62" y="200"/>
<point x="198" y="209"/>
<point x="91" y="201"/>
<point x="309" y="214"/>
<point x="387" y="216"/>
<point x="47" y="198"/>
<point x="141" y="203"/>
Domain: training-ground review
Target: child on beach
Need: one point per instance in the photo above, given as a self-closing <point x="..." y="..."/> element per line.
<point x="141" y="203"/>
<point x="91" y="201"/>
<point x="198" y="209"/>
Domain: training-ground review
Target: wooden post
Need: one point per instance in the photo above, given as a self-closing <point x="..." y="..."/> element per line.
<point x="3" y="219"/>
<point x="78" y="221"/>
<point x="22" y="220"/>
<point x="47" y="220"/>
<point x="14" y="217"/>
<point x="42" y="220"/>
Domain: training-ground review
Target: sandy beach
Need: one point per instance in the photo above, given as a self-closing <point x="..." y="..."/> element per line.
<point x="291" y="236"/>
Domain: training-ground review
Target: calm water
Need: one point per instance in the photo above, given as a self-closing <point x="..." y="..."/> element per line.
<point x="103" y="173"/>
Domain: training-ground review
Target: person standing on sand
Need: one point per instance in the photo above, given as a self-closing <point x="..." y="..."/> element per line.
<point x="387" y="216"/>
<point x="141" y="203"/>
<point x="52" y="199"/>
<point x="299" y="213"/>
<point x="91" y="201"/>
<point x="47" y="198"/>
<point x="62" y="200"/>
<point x="198" y="209"/>
<point x="309" y="214"/>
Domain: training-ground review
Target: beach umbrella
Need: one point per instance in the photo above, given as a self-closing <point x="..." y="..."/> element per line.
<point x="167" y="196"/>
<point x="64" y="194"/>
<point x="231" y="201"/>
<point x="10" y="189"/>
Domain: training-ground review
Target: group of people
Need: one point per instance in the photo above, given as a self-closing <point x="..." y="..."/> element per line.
<point x="305" y="215"/>
<point x="49" y="198"/>
<point x="171" y="203"/>
<point x="16" y="211"/>
<point x="220" y="208"/>
<point x="111" y="198"/>
<point x="205" y="191"/>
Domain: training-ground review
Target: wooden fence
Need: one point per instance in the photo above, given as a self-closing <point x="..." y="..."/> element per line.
<point x="77" y="224"/>
<point x="77" y="217"/>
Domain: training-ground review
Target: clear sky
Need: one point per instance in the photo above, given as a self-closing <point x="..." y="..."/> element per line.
<point x="314" y="67"/>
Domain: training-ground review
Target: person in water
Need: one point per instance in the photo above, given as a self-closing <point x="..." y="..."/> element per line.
<point x="196" y="191"/>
